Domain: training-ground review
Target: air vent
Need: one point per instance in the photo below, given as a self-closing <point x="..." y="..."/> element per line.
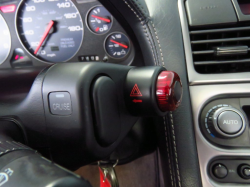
<point x="221" y="50"/>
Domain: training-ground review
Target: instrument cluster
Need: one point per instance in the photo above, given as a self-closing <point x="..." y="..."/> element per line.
<point x="39" y="32"/>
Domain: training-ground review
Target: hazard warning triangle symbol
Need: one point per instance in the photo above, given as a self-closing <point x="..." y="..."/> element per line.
<point x="135" y="91"/>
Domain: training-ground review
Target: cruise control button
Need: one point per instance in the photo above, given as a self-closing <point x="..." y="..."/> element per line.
<point x="230" y="122"/>
<point x="60" y="103"/>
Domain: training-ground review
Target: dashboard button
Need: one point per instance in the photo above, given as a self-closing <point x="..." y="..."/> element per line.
<point x="60" y="103"/>
<point x="87" y="58"/>
<point x="105" y="59"/>
<point x="230" y="122"/>
<point x="81" y="58"/>
<point x="169" y="91"/>
<point x="247" y="172"/>
<point x="220" y="171"/>
<point x="244" y="171"/>
<point x="92" y="58"/>
<point x="225" y="122"/>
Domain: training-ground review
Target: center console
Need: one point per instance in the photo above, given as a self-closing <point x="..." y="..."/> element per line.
<point x="216" y="40"/>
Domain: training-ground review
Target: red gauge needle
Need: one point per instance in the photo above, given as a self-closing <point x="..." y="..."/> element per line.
<point x="45" y="34"/>
<point x="97" y="29"/>
<point x="125" y="46"/>
<point x="103" y="19"/>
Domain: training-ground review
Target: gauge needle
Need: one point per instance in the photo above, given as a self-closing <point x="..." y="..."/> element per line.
<point x="103" y="19"/>
<point x="45" y="34"/>
<point x="125" y="46"/>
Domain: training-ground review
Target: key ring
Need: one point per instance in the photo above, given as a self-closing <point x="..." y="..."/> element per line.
<point x="114" y="165"/>
<point x="107" y="174"/>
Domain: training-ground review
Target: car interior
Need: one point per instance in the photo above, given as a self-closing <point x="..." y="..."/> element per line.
<point x="129" y="93"/>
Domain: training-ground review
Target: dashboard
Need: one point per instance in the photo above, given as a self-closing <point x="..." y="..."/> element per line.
<point x="205" y="42"/>
<point x="44" y="32"/>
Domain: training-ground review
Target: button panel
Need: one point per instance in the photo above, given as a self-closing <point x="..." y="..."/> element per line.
<point x="230" y="170"/>
<point x="88" y="58"/>
<point x="225" y="122"/>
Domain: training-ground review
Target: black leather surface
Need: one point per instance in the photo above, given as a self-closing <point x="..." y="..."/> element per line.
<point x="156" y="25"/>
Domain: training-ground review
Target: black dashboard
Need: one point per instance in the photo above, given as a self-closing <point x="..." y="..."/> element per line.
<point x="81" y="30"/>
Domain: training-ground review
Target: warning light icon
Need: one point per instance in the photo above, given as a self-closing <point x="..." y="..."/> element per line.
<point x="135" y="91"/>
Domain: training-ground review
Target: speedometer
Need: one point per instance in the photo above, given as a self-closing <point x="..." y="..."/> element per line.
<point x="50" y="30"/>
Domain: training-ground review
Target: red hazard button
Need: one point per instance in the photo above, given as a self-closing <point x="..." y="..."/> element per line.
<point x="168" y="91"/>
<point x="152" y="91"/>
<point x="135" y="91"/>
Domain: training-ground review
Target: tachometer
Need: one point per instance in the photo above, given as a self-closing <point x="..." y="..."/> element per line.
<point x="50" y="30"/>
<point x="5" y="40"/>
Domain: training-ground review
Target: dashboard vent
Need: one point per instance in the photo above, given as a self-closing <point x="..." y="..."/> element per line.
<point x="223" y="50"/>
